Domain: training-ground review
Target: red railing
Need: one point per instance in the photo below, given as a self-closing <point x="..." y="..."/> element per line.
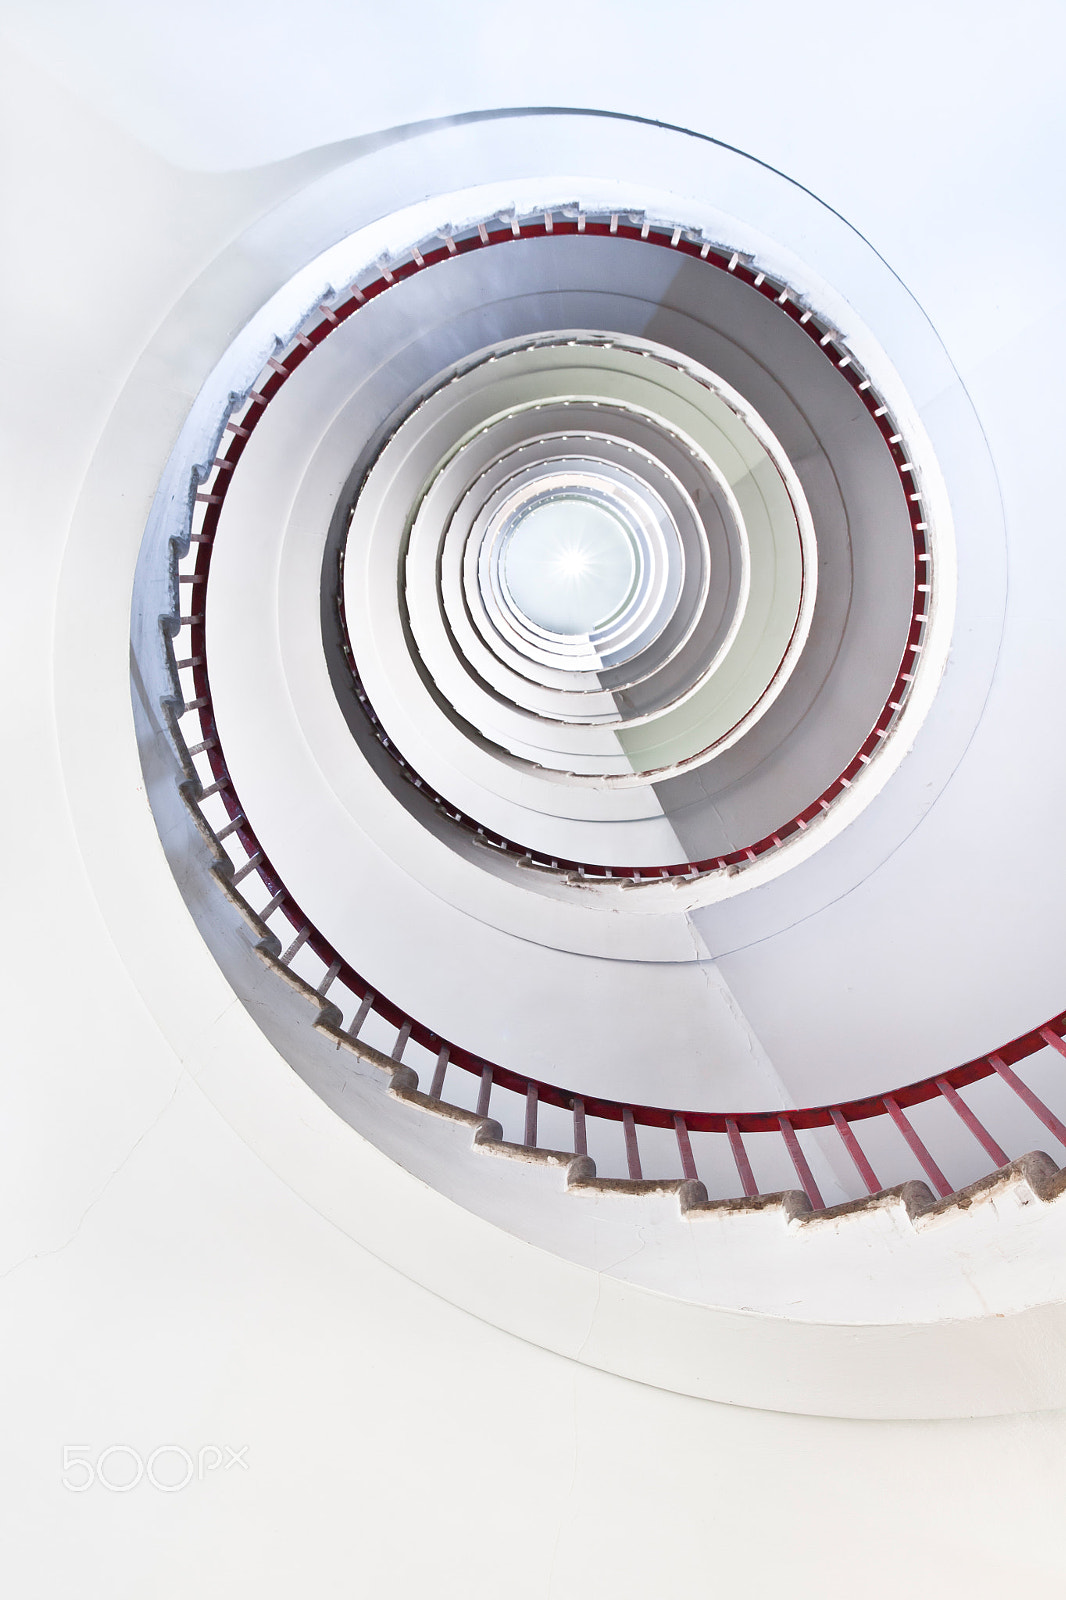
<point x="834" y="351"/>
<point x="488" y="1088"/>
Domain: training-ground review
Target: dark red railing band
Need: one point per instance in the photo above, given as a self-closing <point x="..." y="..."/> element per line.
<point x="683" y="1123"/>
<point x="826" y="340"/>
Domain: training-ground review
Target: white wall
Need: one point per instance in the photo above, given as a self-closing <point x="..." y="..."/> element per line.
<point x="161" y="1283"/>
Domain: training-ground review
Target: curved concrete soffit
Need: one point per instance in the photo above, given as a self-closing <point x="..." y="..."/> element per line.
<point x="779" y="1357"/>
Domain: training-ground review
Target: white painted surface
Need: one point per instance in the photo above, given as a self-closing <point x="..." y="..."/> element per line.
<point x="171" y="1287"/>
<point x="856" y="944"/>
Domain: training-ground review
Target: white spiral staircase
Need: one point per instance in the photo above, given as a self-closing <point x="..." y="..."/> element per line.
<point x="676" y="985"/>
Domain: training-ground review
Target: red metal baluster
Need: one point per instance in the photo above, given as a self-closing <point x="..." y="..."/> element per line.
<point x="531" y="1117"/>
<point x="979" y="1131"/>
<point x="1050" y="1037"/>
<point x="330" y="976"/>
<point x="249" y="866"/>
<point x="581" y="1146"/>
<point x="272" y="905"/>
<point x="799" y="1161"/>
<point x="295" y="947"/>
<point x="484" y="1091"/>
<point x="1037" y="1107"/>
<point x="363" y="1012"/>
<point x="684" y="1145"/>
<point x="632" y="1153"/>
<point x="936" y="1177"/>
<point x="740" y="1156"/>
<point x="855" y="1151"/>
<point x="436" y="1088"/>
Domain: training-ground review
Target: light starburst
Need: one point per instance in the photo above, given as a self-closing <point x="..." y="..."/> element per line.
<point x="573" y="563"/>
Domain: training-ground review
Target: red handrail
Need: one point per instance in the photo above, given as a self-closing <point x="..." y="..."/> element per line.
<point x="254" y="862"/>
<point x="668" y="238"/>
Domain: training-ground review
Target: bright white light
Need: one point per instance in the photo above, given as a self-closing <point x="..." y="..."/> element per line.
<point x="570" y="564"/>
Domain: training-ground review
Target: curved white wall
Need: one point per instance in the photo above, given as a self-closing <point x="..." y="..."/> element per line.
<point x="162" y="1283"/>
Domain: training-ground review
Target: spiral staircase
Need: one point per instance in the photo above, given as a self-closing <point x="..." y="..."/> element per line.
<point x="586" y="827"/>
<point x="743" y="668"/>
